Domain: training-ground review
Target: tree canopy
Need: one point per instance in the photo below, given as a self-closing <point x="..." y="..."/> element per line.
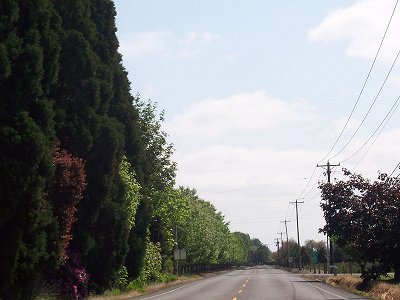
<point x="87" y="195"/>
<point x="364" y="217"/>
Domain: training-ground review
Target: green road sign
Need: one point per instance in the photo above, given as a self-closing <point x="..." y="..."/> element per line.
<point x="314" y="256"/>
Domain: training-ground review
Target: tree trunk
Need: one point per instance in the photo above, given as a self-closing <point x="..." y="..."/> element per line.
<point x="397" y="273"/>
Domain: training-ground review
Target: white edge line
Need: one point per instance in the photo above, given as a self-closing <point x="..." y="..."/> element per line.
<point x="323" y="289"/>
<point x="171" y="291"/>
<point x="327" y="291"/>
<point x="333" y="294"/>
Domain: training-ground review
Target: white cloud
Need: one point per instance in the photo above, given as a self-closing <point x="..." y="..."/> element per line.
<point x="240" y="113"/>
<point x="363" y="25"/>
<point x="217" y="168"/>
<point x="250" y="182"/>
<point x="200" y="38"/>
<point x="194" y="43"/>
<point x="164" y="43"/>
<point x="144" y="43"/>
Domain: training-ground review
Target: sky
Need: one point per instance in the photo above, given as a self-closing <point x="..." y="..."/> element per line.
<point x="256" y="94"/>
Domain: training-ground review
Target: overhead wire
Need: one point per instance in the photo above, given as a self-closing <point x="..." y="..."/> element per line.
<point x="388" y="115"/>
<point x="352" y="111"/>
<point x="394" y="170"/>
<point x="365" y="82"/>
<point x="370" y="108"/>
<point x="376" y="137"/>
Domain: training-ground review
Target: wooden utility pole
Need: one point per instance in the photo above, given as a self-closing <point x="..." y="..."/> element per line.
<point x="287" y="241"/>
<point x="281" y="233"/>
<point x="298" y="234"/>
<point x="277" y="245"/>
<point x="329" y="247"/>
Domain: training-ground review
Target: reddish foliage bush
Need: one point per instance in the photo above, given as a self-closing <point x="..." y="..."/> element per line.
<point x="68" y="188"/>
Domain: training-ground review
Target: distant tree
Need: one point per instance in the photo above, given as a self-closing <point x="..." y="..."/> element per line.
<point x="237" y="252"/>
<point x="319" y="246"/>
<point x="204" y="234"/>
<point x="261" y="255"/>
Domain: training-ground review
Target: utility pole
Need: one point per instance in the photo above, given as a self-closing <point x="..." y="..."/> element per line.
<point x="287" y="241"/>
<point x="329" y="247"/>
<point x="277" y="245"/>
<point x="281" y="233"/>
<point x="298" y="234"/>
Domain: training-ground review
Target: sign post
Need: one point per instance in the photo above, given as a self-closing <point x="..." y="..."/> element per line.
<point x="179" y="254"/>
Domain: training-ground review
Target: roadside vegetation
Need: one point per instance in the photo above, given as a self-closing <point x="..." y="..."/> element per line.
<point x="88" y="197"/>
<point x="377" y="290"/>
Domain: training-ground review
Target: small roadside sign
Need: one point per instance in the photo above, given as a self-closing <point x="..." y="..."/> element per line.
<point x="314" y="256"/>
<point x="179" y="254"/>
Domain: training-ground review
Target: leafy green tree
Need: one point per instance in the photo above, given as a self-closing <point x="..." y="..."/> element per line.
<point x="160" y="169"/>
<point x="158" y="175"/>
<point x="170" y="209"/>
<point x="204" y="234"/>
<point x="237" y="253"/>
<point x="132" y="190"/>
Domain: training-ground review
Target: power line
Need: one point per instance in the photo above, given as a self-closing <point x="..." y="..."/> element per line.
<point x="394" y="170"/>
<point x="370" y="108"/>
<point x="363" y="87"/>
<point x="258" y="185"/>
<point x="310" y="190"/>
<point x="376" y="137"/>
<point x="376" y="130"/>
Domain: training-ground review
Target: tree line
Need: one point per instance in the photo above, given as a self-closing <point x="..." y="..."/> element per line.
<point x="87" y="180"/>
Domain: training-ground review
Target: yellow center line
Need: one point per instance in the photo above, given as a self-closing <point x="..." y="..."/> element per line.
<point x="234" y="298"/>
<point x="239" y="291"/>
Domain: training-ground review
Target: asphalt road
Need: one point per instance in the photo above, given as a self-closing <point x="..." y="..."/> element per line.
<point x="253" y="284"/>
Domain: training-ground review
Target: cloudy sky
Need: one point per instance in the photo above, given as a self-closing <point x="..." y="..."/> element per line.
<point x="256" y="94"/>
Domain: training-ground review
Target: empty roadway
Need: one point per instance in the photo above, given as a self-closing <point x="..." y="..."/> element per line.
<point x="253" y="284"/>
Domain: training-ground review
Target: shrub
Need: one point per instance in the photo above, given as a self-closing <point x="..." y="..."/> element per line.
<point x="73" y="278"/>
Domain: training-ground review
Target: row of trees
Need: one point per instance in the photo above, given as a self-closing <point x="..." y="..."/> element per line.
<point x="310" y="248"/>
<point x="87" y="179"/>
<point x="363" y="217"/>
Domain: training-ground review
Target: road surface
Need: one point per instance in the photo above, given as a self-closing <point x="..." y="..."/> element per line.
<point x="253" y="284"/>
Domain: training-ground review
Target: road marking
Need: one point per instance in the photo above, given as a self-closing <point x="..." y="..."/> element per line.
<point x="244" y="285"/>
<point x="333" y="294"/>
<point x="234" y="298"/>
<point x="171" y="291"/>
<point x="239" y="291"/>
